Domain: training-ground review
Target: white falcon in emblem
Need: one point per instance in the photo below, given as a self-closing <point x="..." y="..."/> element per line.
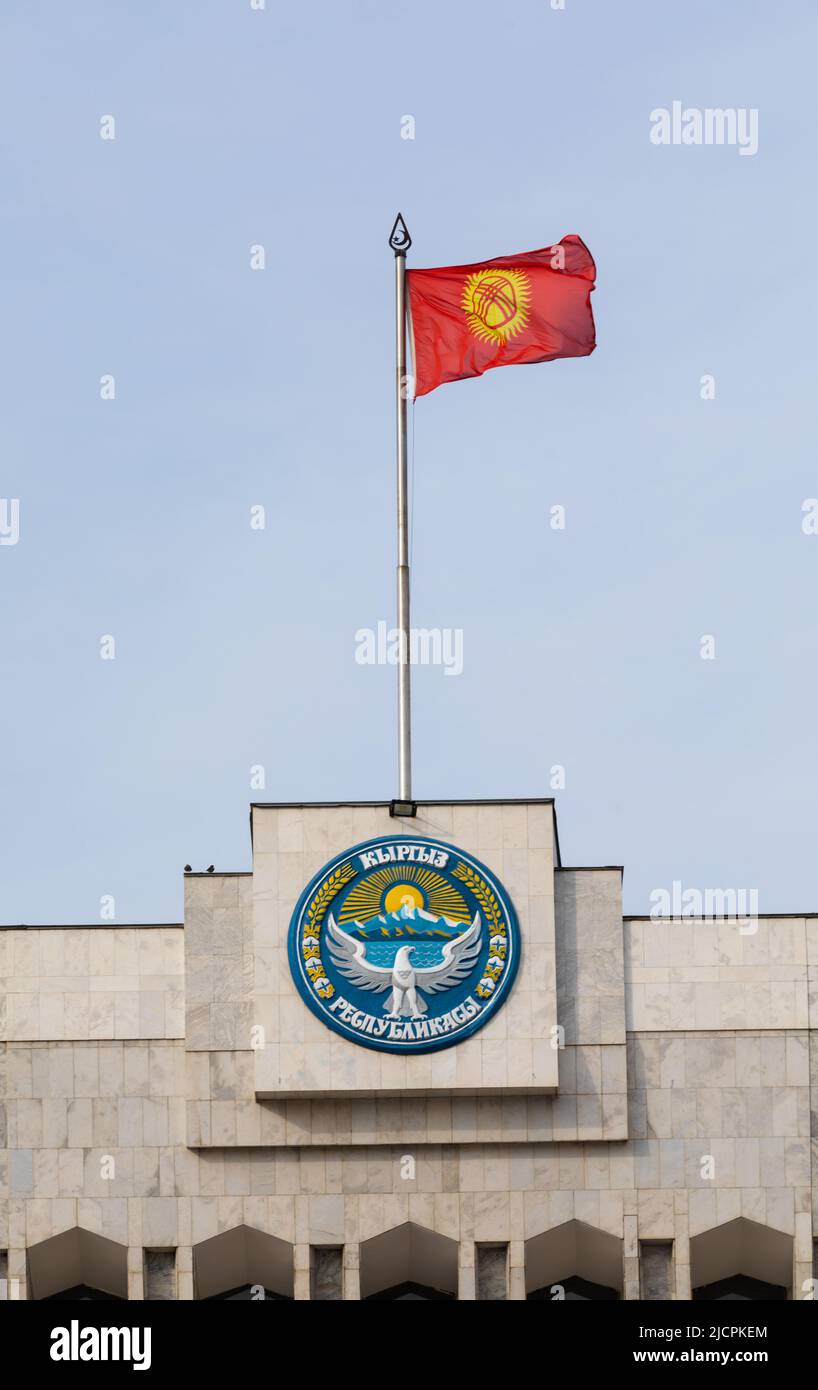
<point x="459" y="956"/>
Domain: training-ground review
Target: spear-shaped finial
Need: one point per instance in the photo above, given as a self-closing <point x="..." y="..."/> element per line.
<point x="399" y="238"/>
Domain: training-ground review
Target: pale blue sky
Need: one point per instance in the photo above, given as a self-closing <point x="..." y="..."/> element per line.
<point x="236" y="647"/>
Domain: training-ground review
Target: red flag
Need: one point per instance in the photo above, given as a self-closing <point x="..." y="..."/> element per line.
<point x="465" y="319"/>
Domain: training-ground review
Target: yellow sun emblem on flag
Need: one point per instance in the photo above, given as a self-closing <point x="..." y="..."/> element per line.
<point x="496" y="303"/>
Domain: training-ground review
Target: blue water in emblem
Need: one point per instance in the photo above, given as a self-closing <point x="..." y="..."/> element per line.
<point x="423" y="952"/>
<point x="408" y="926"/>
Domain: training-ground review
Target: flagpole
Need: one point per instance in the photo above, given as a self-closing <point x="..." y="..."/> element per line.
<point x="400" y="241"/>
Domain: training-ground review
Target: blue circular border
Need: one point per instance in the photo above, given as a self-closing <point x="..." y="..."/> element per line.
<point x="397" y="1049"/>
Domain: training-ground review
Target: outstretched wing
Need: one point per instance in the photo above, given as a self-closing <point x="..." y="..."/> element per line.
<point x="349" y="957"/>
<point x="458" y="960"/>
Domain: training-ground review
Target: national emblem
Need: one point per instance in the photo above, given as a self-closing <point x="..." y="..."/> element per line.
<point x="405" y="944"/>
<point x="496" y="303"/>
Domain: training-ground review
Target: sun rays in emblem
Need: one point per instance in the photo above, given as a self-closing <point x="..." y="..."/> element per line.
<point x="496" y="303"/>
<point x="386" y="889"/>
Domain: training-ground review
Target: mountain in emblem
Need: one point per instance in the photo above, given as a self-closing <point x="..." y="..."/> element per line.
<point x="406" y="921"/>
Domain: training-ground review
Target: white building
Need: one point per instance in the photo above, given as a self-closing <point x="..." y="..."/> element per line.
<point x="633" y="1122"/>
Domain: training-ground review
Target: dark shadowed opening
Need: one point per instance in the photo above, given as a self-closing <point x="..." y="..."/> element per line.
<point x="576" y="1291"/>
<point x="739" y="1287"/>
<point x="408" y="1291"/>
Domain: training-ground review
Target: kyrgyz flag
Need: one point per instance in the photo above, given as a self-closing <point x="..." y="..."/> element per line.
<point x="529" y="308"/>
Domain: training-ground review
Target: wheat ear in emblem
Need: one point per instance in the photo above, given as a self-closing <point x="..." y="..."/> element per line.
<point x="315" y="915"/>
<point x="491" y="909"/>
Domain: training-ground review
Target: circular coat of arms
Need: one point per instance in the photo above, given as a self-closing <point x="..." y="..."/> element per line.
<point x="404" y="944"/>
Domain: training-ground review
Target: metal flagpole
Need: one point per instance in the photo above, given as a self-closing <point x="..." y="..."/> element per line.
<point x="400" y="241"/>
